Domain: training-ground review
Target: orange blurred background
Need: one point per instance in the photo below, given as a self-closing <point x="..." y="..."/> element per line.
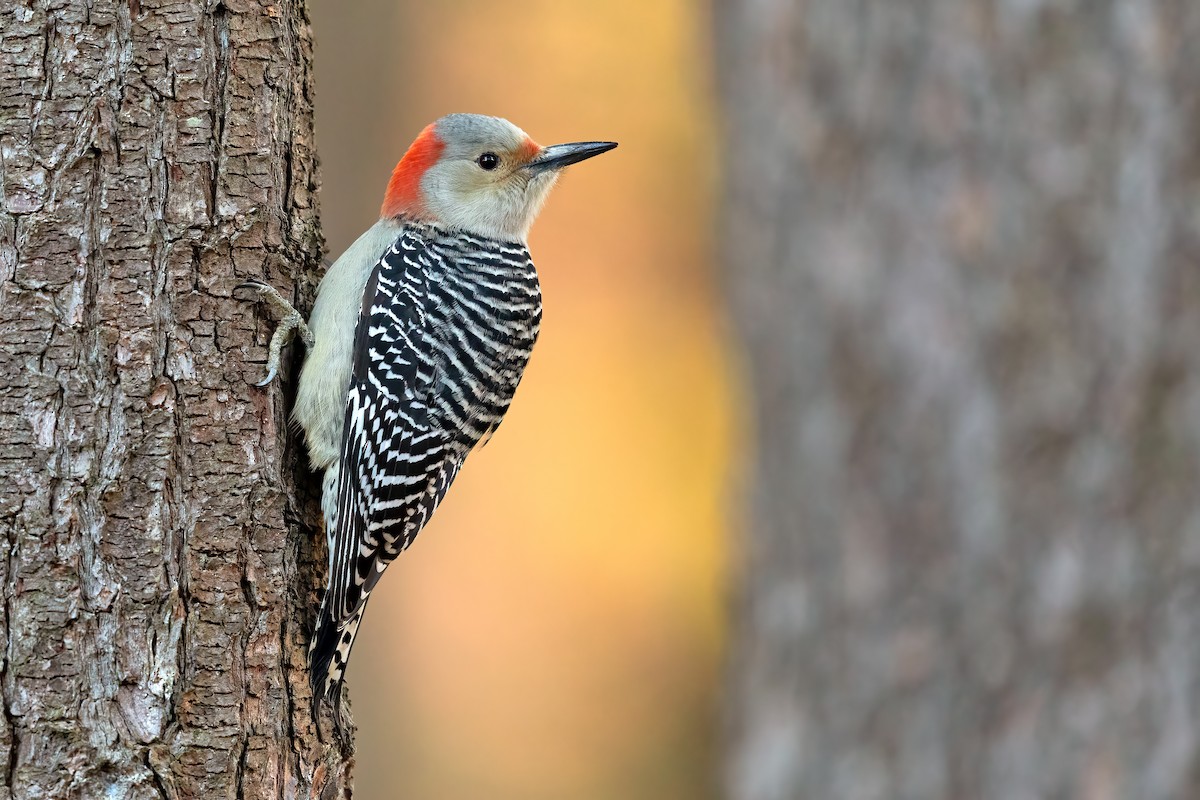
<point x="556" y="630"/>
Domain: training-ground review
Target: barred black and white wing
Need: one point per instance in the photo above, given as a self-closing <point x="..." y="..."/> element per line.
<point x="447" y="324"/>
<point x="395" y="465"/>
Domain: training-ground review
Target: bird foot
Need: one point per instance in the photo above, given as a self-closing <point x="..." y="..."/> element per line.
<point x="290" y="323"/>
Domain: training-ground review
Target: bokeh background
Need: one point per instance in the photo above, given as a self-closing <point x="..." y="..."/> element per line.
<point x="958" y="242"/>
<point x="556" y="631"/>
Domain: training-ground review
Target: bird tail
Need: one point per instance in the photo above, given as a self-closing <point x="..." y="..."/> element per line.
<point x="329" y="654"/>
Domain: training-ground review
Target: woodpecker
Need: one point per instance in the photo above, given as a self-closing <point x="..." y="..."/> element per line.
<point x="418" y="338"/>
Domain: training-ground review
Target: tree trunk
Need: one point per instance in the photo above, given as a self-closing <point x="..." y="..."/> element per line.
<point x="962" y="245"/>
<point x="159" y="572"/>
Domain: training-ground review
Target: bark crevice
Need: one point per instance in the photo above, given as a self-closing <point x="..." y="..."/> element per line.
<point x="151" y="158"/>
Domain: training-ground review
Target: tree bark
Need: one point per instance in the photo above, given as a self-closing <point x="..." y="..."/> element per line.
<point x="962" y="250"/>
<point x="159" y="572"/>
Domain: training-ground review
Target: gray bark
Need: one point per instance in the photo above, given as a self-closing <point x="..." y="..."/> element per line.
<point x="962" y="243"/>
<point x="157" y="581"/>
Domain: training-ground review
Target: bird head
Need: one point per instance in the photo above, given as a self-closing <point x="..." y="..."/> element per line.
<point x="480" y="174"/>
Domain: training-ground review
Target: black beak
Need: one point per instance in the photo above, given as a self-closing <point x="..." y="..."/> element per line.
<point x="557" y="156"/>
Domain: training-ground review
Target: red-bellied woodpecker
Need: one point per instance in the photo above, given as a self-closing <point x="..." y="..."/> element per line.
<point x="416" y="344"/>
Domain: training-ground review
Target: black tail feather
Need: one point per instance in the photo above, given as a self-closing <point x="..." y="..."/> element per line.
<point x="329" y="654"/>
<point x="320" y="654"/>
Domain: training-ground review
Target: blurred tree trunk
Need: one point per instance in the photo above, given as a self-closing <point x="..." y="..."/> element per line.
<point x="963" y="253"/>
<point x="157" y="581"/>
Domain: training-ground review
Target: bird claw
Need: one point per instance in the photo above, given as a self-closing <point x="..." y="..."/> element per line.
<point x="290" y="322"/>
<point x="258" y="287"/>
<point x="271" y="372"/>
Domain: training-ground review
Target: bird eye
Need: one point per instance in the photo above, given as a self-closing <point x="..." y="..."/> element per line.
<point x="489" y="161"/>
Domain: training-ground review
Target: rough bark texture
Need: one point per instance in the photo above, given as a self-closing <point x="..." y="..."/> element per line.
<point x="962" y="244"/>
<point x="157" y="584"/>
